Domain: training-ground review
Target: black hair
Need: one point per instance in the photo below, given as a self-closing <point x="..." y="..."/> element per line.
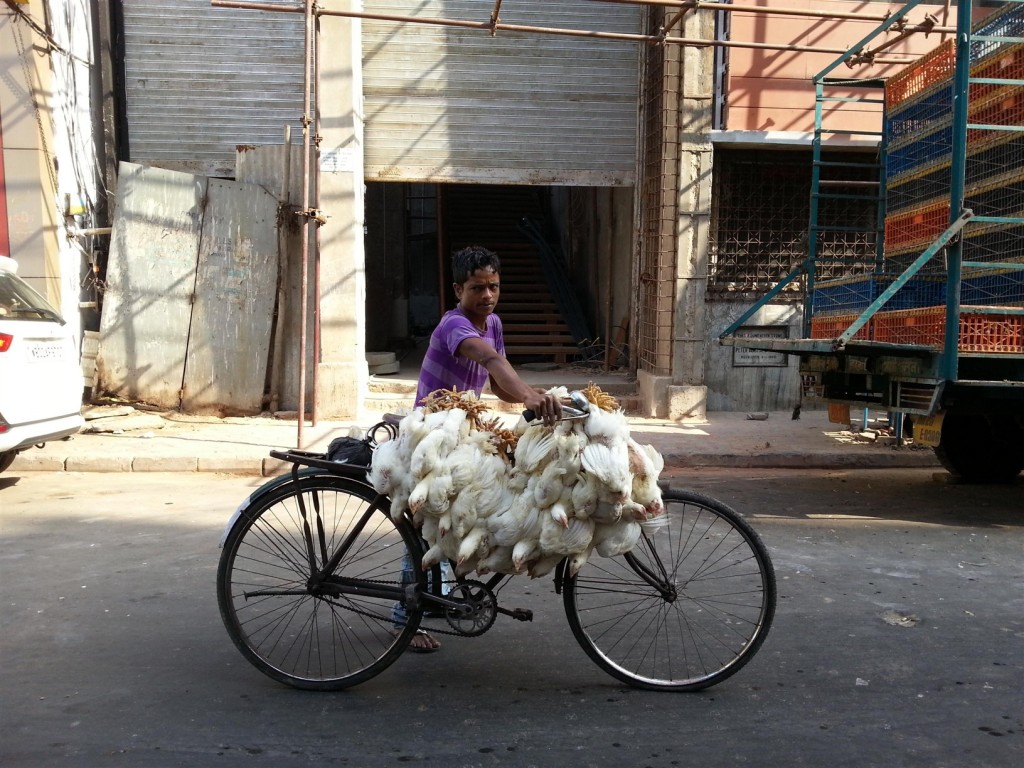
<point x="469" y="260"/>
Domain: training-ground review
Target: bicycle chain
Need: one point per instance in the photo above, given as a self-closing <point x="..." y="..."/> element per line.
<point x="360" y="612"/>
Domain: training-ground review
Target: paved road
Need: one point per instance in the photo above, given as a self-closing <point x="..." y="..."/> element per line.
<point x="899" y="641"/>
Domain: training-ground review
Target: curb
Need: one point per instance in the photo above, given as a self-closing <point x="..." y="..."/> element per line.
<point x="271" y="467"/>
<point x="802" y="461"/>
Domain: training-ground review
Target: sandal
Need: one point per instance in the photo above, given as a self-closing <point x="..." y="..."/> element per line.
<point x="427" y="642"/>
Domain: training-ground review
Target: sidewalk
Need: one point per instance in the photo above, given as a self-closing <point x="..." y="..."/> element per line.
<point x="172" y="442"/>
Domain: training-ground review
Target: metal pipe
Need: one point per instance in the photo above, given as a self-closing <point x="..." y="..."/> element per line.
<point x="486" y="26"/>
<point x="610" y="281"/>
<point x="89" y="232"/>
<point x="732" y="7"/>
<point x="950" y="364"/>
<point x="318" y="219"/>
<point x="495" y="18"/>
<point x="304" y="213"/>
<point x="276" y="374"/>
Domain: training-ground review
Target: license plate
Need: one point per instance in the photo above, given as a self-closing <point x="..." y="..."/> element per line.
<point x="47" y="350"/>
<point x="928" y="429"/>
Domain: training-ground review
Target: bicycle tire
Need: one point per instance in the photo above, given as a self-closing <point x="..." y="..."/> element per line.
<point x="715" y="618"/>
<point x="298" y="637"/>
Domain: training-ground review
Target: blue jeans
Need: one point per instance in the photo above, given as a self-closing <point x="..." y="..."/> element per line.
<point x="398" y="612"/>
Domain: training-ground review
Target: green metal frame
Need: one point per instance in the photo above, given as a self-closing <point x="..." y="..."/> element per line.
<point x="945" y="364"/>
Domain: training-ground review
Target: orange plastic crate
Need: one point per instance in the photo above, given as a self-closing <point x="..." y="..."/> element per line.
<point x="926" y="325"/>
<point x="918" y="226"/>
<point x="1004" y="109"/>
<point x="932" y="68"/>
<point x="991" y="333"/>
<point x="979" y="332"/>
<point x="1008" y="65"/>
<point x="831" y="326"/>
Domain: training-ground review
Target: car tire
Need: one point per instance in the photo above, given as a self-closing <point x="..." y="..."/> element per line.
<point x="6" y="459"/>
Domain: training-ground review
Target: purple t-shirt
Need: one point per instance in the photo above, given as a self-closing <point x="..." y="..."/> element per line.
<point x="443" y="369"/>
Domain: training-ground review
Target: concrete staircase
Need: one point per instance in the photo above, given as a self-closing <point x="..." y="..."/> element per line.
<point x="490" y="216"/>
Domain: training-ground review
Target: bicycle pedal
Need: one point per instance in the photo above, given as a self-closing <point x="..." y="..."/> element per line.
<point x="519" y="614"/>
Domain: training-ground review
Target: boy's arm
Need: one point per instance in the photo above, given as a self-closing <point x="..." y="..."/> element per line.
<point x="505" y="382"/>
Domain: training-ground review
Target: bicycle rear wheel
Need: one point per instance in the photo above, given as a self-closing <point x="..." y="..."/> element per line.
<point x="686" y="608"/>
<point x="298" y="634"/>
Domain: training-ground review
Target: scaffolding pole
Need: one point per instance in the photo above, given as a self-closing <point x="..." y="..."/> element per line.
<point x="492" y="27"/>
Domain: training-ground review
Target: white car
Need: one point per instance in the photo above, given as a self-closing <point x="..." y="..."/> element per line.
<point x="40" y="376"/>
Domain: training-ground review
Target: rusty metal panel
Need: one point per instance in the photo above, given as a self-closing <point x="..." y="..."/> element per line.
<point x="151" y="274"/>
<point x="447" y="103"/>
<point x="235" y="285"/>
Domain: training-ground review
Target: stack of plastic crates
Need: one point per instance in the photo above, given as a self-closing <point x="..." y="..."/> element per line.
<point x="919" y="140"/>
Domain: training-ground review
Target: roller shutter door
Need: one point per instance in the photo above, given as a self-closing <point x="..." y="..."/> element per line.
<point x="455" y="104"/>
<point x="200" y="81"/>
<point x="440" y="103"/>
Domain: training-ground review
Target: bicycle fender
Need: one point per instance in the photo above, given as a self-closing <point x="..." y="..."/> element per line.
<point x="264" y="489"/>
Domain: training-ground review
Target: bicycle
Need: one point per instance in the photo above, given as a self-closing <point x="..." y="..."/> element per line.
<point x="312" y="566"/>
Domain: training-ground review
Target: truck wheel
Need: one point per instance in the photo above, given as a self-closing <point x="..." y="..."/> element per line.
<point x="981" y="448"/>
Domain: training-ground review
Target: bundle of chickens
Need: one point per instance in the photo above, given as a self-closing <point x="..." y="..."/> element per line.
<point x="495" y="500"/>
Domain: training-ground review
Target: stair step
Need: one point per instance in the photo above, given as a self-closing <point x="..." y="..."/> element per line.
<point x="565" y="339"/>
<point x="540" y="349"/>
<point x="540" y="307"/>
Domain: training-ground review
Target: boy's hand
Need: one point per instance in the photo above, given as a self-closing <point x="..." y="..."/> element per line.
<point x="545" y="407"/>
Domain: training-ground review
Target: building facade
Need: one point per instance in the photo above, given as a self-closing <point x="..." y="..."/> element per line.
<point x="664" y="151"/>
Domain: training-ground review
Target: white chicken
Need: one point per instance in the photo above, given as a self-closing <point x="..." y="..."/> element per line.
<point x="434" y="490"/>
<point x="584" y="495"/>
<point x="547" y="487"/>
<point x="575" y="488"/>
<point x="645" y="464"/>
<point x="610" y="465"/>
<point x="558" y="540"/>
<point x="475" y="545"/>
<point x="613" y="540"/>
<point x="534" y="448"/>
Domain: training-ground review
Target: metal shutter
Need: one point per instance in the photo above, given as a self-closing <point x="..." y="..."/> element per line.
<point x="201" y="80"/>
<point x="455" y="104"/>
<point x="441" y="103"/>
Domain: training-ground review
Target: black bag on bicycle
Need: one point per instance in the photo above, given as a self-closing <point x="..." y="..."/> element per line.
<point x="359" y="451"/>
<point x="351" y="450"/>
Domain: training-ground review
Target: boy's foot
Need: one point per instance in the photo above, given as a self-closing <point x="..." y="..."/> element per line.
<point x="421" y="642"/>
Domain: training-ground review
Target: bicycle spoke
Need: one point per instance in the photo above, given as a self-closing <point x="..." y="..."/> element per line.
<point x="282" y="617"/>
<point x="686" y="609"/>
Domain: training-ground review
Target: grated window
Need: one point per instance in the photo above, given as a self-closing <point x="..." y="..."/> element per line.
<point x="760" y="218"/>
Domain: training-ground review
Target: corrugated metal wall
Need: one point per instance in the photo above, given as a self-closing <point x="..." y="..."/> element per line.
<point x="441" y="103"/>
<point x="447" y="103"/>
<point x="201" y="80"/>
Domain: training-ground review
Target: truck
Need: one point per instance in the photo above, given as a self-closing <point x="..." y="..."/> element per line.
<point x="929" y="324"/>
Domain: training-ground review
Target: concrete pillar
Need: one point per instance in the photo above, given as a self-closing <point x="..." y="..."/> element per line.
<point x="683" y="395"/>
<point x="342" y="373"/>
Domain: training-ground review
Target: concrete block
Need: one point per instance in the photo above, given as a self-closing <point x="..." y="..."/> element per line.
<point x="165" y="464"/>
<point x="661" y="399"/>
<point x="98" y="464"/>
<point x="36" y="462"/>
<point x="653" y="400"/>
<point x="228" y="466"/>
<point x="687" y="403"/>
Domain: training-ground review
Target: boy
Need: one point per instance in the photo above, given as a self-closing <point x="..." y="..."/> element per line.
<point x="466" y="350"/>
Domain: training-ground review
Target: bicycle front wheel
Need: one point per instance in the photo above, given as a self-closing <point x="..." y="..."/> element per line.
<point x="686" y="608"/>
<point x="292" y="630"/>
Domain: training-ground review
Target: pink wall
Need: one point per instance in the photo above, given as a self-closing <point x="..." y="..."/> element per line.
<point x="772" y="90"/>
